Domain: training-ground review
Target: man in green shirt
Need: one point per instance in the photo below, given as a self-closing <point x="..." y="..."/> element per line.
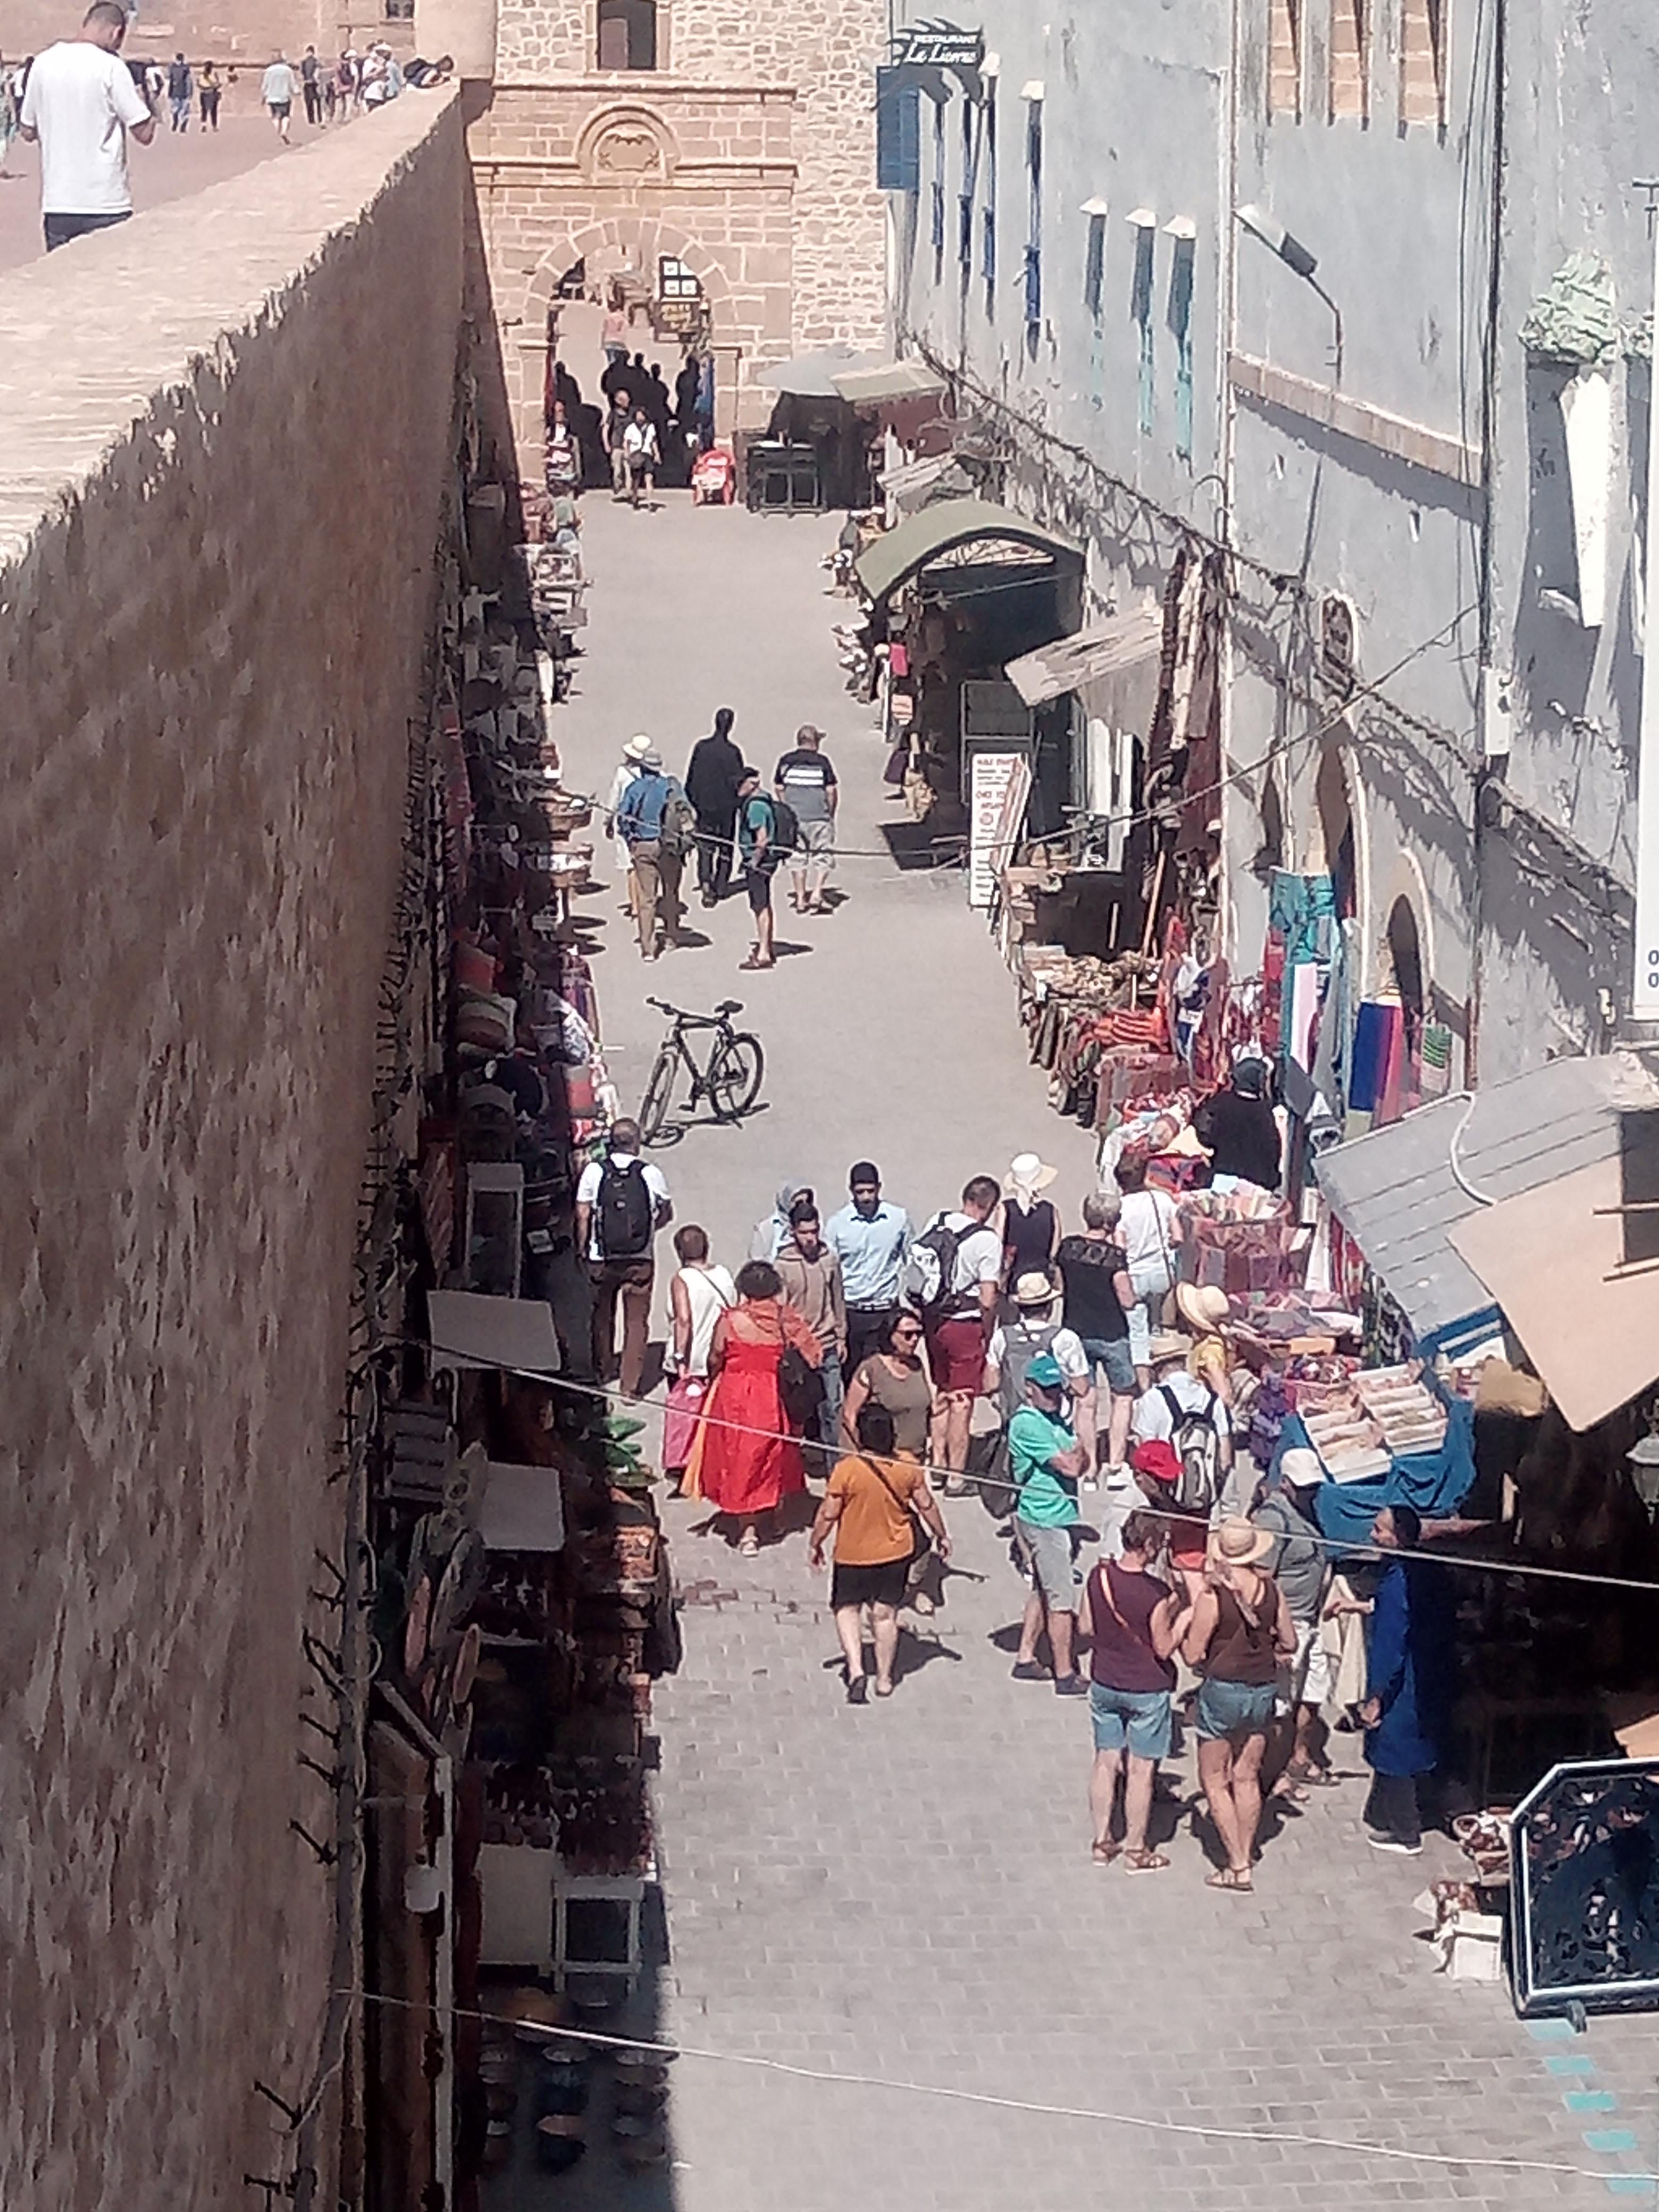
<point x="1045" y="1459"/>
<point x="758" y="824"/>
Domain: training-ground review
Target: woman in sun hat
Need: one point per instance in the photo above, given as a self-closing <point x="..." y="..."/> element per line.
<point x="1241" y="1634"/>
<point x="1030" y="1226"/>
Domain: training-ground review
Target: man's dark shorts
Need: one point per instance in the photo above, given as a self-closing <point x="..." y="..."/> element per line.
<point x="757" y="882"/>
<point x="61" y="228"/>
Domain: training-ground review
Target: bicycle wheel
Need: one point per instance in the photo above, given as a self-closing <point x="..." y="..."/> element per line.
<point x="734" y="1080"/>
<point x="658" y="1093"/>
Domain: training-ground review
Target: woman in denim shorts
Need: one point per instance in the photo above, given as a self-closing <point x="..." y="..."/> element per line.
<point x="1240" y="1632"/>
<point x="1135" y="1622"/>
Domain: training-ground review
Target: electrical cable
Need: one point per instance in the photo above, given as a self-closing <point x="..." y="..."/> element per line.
<point x="1337" y="1547"/>
<point x="1144" y="2121"/>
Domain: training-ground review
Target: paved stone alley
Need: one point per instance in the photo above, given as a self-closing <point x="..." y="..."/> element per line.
<point x="905" y="1890"/>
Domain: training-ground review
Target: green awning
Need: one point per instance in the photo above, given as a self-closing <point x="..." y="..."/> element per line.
<point x="950" y="525"/>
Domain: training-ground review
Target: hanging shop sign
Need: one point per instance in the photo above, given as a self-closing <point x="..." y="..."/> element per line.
<point x="938" y="45"/>
<point x="1000" y="785"/>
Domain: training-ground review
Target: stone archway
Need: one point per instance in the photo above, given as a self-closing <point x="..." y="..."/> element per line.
<point x="640" y="239"/>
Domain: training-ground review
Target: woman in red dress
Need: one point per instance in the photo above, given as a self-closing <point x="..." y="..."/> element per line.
<point x="746" y="1461"/>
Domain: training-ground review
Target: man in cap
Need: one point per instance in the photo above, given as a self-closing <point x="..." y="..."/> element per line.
<point x="1045" y="1461"/>
<point x="1300" y="1563"/>
<point x="805" y="782"/>
<point x="1015" y="1346"/>
<point x="870" y="1237"/>
<point x="652" y="821"/>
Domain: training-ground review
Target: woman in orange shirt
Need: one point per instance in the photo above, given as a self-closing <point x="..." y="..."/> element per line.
<point x="874" y="1501"/>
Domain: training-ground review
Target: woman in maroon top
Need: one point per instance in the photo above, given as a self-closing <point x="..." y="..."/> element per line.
<point x="1135" y="1622"/>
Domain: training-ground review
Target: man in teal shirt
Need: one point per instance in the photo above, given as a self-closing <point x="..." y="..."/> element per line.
<point x="758" y="824"/>
<point x="1045" y="1459"/>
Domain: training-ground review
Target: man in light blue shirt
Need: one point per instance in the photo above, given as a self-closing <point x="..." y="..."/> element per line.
<point x="870" y="1238"/>
<point x="648" y="823"/>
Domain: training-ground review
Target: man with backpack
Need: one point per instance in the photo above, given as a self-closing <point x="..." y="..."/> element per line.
<point x="1032" y="1332"/>
<point x="953" y="1278"/>
<point x="1192" y="1419"/>
<point x="766" y="833"/>
<point x="1045" y="1459"/>
<point x="655" y="822"/>
<point x="622" y="1202"/>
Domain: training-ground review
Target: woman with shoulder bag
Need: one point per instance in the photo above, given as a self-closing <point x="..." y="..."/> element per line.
<point x="882" y="1512"/>
<point x="1136" y="1623"/>
<point x="1150" y="1229"/>
<point x="747" y="1459"/>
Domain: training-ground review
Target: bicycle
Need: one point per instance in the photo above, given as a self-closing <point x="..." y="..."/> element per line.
<point x="732" y="1080"/>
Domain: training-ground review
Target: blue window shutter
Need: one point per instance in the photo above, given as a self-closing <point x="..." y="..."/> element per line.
<point x="1181" y="326"/>
<point x="1033" y="287"/>
<point x="898" y="133"/>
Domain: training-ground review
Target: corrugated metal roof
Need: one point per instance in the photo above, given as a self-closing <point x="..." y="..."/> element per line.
<point x="899" y="553"/>
<point x="1394" y="1192"/>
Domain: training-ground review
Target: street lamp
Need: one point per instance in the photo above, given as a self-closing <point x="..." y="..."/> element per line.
<point x="1297" y="259"/>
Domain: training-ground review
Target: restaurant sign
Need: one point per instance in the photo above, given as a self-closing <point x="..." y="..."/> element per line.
<point x="938" y="45"/>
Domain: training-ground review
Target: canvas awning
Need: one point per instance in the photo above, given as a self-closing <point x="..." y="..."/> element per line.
<point x="811" y="375"/>
<point x="1401" y="1191"/>
<point x="953" y="524"/>
<point x="891" y="380"/>
<point x="467" y="1328"/>
<point x="1066" y="664"/>
<point x="1553" y="1259"/>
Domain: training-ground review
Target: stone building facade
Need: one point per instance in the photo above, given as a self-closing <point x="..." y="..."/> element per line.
<point x="746" y="154"/>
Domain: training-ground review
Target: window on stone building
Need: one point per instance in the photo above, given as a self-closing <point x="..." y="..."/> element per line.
<point x="968" y="193"/>
<point x="399" y="11"/>
<point x="1140" y="313"/>
<point x="674" y="280"/>
<point x="628" y="34"/>
<point x="1034" y="219"/>
<point x="1350" y="58"/>
<point x="937" y="192"/>
<point x="987" y="267"/>
<point x="1285" y="58"/>
<point x="1180" y="319"/>
<point x="1423" y="61"/>
<point x="1094" y="268"/>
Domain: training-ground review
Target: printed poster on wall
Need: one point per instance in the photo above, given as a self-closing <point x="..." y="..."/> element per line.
<point x="1000" y="785"/>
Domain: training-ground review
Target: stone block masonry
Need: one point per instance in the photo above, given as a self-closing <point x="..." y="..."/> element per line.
<point x="228" y="435"/>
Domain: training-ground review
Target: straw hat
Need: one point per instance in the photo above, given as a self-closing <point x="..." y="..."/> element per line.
<point x="1203" y="1308"/>
<point x="1236" y="1544"/>
<point x="1167" y="1345"/>
<point x="1027" y="1175"/>
<point x="1034" y="1290"/>
<point x="636" y="749"/>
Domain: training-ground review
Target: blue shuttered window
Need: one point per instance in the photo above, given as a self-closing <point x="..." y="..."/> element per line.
<point x="898" y="133"/>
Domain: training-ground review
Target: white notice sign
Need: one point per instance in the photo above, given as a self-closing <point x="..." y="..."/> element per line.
<point x="996" y="807"/>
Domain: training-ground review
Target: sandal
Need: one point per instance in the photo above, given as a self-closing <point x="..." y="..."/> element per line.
<point x="748" y="1545"/>
<point x="1315" y="1777"/>
<point x="1145" y="1861"/>
<point x="1232" y="1878"/>
<point x="885" y="1689"/>
<point x="746" y="965"/>
<point x="1103" y="1854"/>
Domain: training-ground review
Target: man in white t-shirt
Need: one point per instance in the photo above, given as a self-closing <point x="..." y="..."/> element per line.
<point x="958" y="1325"/>
<point x="620" y="1204"/>
<point x="276" y="90"/>
<point x="79" y="103"/>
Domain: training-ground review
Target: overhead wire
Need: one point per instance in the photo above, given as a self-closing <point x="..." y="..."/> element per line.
<point x="1147" y="2122"/>
<point x="1343" y="1547"/>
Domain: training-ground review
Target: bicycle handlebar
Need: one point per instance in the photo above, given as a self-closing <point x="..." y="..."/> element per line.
<point x="698" y="1021"/>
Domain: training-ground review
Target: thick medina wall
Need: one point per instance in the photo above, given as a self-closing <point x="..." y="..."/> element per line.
<point x="228" y="440"/>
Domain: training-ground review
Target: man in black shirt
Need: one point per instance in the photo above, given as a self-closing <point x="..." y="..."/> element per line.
<point x="1237" y="1129"/>
<point x="712" y="776"/>
<point x="311" y="85"/>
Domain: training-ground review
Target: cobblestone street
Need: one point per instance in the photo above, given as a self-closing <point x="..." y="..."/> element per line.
<point x="905" y="1890"/>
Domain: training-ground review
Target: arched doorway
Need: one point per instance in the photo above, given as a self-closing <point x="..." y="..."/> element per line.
<point x="1403" y="947"/>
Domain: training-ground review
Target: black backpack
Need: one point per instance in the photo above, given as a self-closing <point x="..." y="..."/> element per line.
<point x="625" y="1213"/>
<point x="785" y="827"/>
<point x="930" y="1269"/>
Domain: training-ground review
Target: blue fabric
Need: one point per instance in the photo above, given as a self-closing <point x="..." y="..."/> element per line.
<point x="1410" y="1667"/>
<point x="640" y="816"/>
<point x="1141" y="1721"/>
<point x="1233" y="1709"/>
<point x="871" y="1252"/>
<point x="1434" y="1482"/>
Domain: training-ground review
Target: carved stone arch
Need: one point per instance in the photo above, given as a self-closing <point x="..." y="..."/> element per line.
<point x="1405" y="929"/>
<point x="643" y="239"/>
<point x="626" y="143"/>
